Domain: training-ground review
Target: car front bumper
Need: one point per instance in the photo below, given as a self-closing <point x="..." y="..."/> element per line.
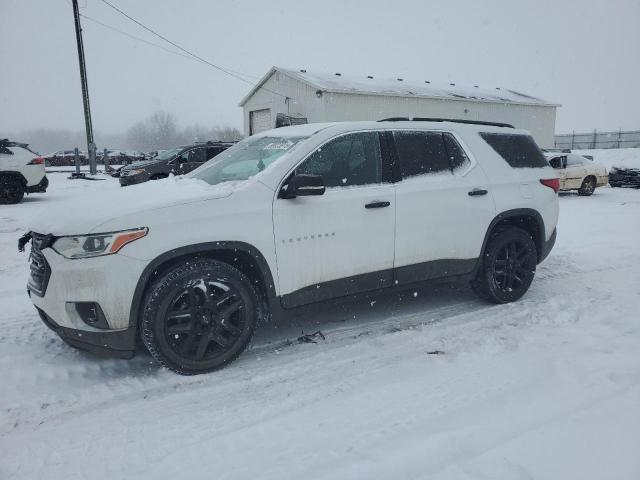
<point x="624" y="180"/>
<point x="126" y="180"/>
<point x="108" y="281"/>
<point x="114" y="344"/>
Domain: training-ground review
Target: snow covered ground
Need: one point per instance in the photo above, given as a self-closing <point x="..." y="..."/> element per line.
<point x="546" y="388"/>
<point x="616" y="157"/>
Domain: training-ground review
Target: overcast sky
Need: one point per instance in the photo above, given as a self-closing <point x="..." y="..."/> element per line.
<point x="582" y="54"/>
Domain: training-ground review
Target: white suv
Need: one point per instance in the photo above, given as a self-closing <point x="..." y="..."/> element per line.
<point x="287" y="218"/>
<point x="21" y="171"/>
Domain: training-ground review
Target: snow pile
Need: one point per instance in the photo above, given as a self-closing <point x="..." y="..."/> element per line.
<point x="432" y="383"/>
<point x="621" y="157"/>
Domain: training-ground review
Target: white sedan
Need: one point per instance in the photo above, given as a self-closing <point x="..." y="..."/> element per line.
<point x="578" y="173"/>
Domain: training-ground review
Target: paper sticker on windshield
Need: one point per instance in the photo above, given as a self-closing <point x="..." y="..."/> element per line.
<point x="282" y="145"/>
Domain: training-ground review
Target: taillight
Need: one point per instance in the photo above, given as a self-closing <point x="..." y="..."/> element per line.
<point x="36" y="161"/>
<point x="553" y="183"/>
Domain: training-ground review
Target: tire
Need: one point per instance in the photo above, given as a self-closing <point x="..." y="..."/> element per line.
<point x="588" y="187"/>
<point x="190" y="329"/>
<point x="508" y="266"/>
<point x="11" y="190"/>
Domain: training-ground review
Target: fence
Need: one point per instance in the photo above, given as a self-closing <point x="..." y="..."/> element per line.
<point x="595" y="139"/>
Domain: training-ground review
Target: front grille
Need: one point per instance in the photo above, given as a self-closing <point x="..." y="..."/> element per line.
<point x="40" y="270"/>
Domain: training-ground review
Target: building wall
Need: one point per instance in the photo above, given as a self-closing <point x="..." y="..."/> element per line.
<point x="302" y="100"/>
<point x="332" y="107"/>
<point x="539" y="120"/>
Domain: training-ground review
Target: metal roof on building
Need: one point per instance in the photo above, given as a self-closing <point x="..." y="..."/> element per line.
<point x="371" y="85"/>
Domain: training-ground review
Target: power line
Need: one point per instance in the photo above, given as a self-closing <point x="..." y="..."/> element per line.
<point x="232" y="73"/>
<point x="139" y="39"/>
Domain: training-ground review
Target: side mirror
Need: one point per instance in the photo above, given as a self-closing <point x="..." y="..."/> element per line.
<point x="303" y="186"/>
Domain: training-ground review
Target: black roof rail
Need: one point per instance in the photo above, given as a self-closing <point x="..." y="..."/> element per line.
<point x="454" y="120"/>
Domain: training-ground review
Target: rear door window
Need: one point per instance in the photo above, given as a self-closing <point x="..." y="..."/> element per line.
<point x="420" y="153"/>
<point x="457" y="157"/>
<point x="519" y="151"/>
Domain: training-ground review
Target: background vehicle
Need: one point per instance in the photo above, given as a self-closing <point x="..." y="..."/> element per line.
<point x="578" y="173"/>
<point x="292" y="217"/>
<point x="179" y="160"/>
<point x="624" y="177"/>
<point x="64" y="158"/>
<point x="21" y="171"/>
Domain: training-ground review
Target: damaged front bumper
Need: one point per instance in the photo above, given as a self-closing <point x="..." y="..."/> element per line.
<point x="625" y="178"/>
<point x="118" y="344"/>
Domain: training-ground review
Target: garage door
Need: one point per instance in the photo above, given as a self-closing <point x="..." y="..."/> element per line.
<point x="260" y="120"/>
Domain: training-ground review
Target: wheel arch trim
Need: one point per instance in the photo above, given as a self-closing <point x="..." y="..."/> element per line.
<point x="13" y="173"/>
<point x="195" y="249"/>
<point x="517" y="212"/>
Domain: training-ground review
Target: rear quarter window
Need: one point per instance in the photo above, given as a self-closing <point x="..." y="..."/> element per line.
<point x="519" y="151"/>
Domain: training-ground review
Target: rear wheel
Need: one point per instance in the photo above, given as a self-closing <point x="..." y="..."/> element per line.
<point x="588" y="187"/>
<point x="200" y="316"/>
<point x="508" y="266"/>
<point x="11" y="189"/>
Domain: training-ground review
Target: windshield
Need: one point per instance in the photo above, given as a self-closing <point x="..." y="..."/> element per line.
<point x="246" y="159"/>
<point x="168" y="154"/>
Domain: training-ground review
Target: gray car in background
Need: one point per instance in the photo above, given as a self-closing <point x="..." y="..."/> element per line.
<point x="179" y="160"/>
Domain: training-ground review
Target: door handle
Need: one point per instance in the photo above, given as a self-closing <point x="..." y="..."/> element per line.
<point x="377" y="204"/>
<point x="477" y="192"/>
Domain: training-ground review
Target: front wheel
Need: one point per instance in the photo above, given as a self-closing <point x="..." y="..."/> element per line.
<point x="11" y="190"/>
<point x="507" y="267"/>
<point x="199" y="316"/>
<point x="588" y="187"/>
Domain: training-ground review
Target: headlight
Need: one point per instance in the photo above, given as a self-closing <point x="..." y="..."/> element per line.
<point x="137" y="171"/>
<point x="96" y="245"/>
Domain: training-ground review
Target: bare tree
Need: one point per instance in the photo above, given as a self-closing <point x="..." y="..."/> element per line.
<point x="158" y="131"/>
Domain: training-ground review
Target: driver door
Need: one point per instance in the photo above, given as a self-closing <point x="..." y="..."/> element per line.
<point x="341" y="242"/>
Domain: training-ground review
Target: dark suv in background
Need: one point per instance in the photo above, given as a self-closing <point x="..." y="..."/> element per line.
<point x="179" y="160"/>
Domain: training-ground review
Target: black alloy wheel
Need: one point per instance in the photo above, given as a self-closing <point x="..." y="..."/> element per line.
<point x="508" y="266"/>
<point x="200" y="316"/>
<point x="514" y="266"/>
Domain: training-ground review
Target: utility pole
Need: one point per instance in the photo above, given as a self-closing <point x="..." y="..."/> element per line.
<point x="91" y="146"/>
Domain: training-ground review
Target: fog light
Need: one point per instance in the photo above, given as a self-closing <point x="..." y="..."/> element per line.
<point x="91" y="314"/>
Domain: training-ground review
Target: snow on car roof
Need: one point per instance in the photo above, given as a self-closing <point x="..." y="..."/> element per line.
<point x="303" y="130"/>
<point x="363" y="84"/>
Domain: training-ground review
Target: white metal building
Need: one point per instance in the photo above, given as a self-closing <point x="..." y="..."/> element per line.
<point x="285" y="96"/>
